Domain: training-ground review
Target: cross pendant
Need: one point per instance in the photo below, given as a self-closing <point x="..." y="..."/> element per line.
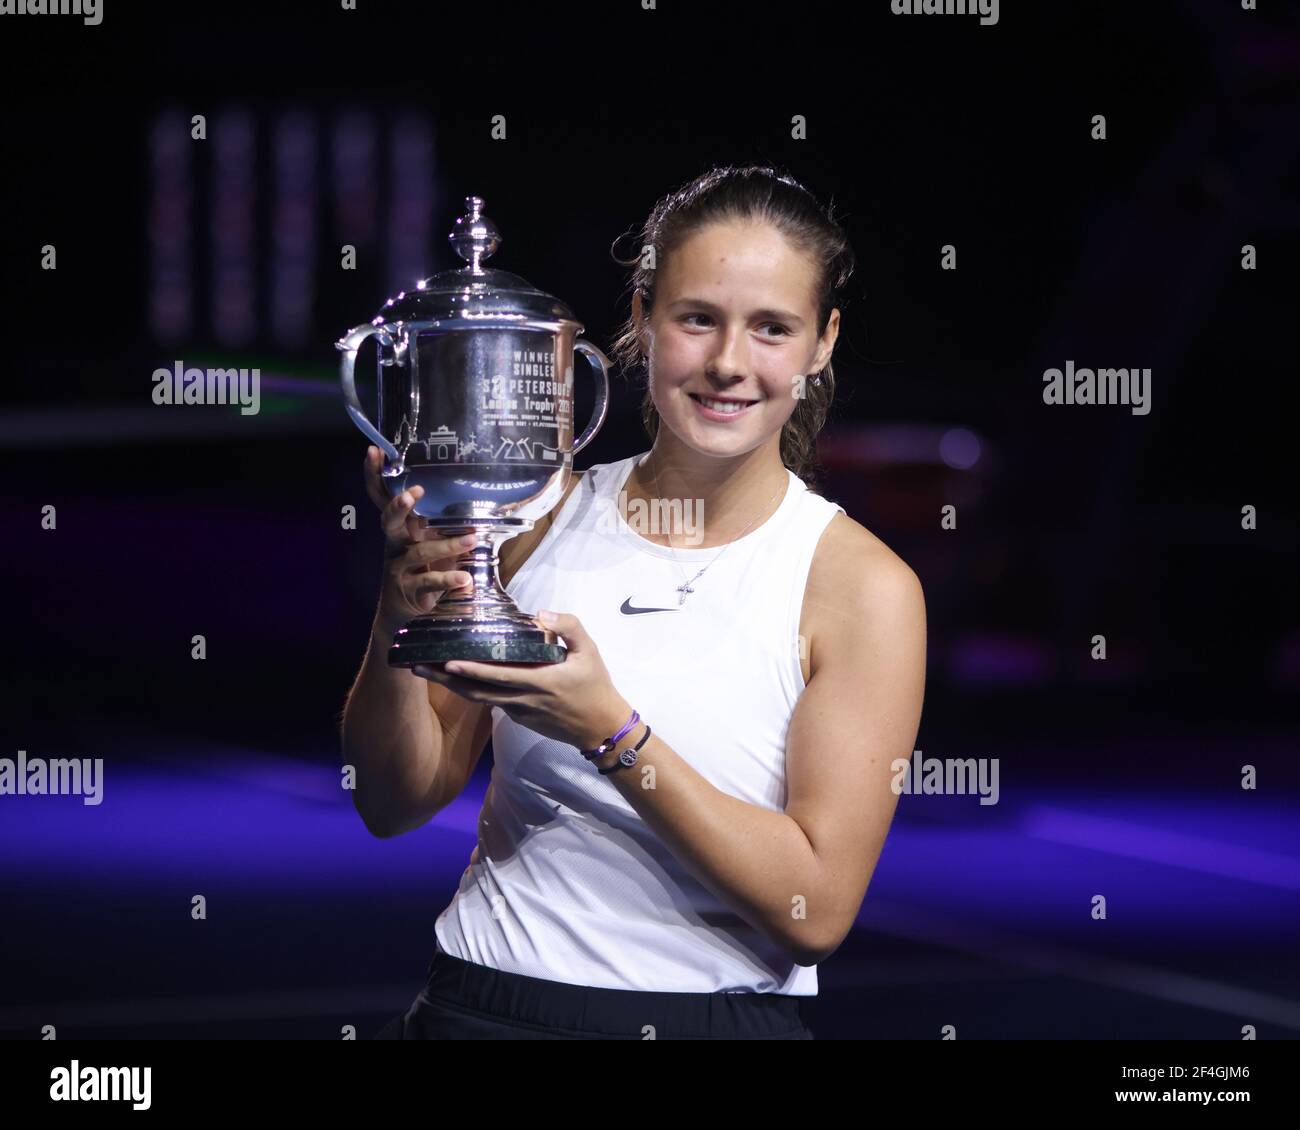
<point x="683" y="589"/>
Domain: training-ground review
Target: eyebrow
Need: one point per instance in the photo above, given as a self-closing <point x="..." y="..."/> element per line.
<point x="766" y="312"/>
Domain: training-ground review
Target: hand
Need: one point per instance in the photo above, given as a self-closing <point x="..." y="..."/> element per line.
<point x="419" y="566"/>
<point x="573" y="701"/>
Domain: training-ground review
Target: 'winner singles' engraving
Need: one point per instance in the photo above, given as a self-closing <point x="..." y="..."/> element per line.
<point x="534" y="363"/>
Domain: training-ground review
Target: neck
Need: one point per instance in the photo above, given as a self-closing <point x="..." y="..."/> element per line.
<point x="719" y="499"/>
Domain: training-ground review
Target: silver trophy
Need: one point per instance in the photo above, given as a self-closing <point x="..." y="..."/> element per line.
<point x="475" y="404"/>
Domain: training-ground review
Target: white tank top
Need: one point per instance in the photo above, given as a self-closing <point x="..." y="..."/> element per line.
<point x="568" y="883"/>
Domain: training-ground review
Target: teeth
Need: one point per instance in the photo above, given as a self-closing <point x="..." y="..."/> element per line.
<point x="723" y="406"/>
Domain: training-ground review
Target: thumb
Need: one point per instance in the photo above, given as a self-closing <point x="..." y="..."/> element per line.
<point x="567" y="626"/>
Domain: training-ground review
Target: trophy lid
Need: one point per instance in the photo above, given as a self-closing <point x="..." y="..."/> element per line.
<point x="473" y="291"/>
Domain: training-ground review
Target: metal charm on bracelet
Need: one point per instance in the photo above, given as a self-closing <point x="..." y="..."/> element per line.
<point x="628" y="757"/>
<point x="610" y="742"/>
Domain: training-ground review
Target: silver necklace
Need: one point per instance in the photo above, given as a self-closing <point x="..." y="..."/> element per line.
<point x="685" y="589"/>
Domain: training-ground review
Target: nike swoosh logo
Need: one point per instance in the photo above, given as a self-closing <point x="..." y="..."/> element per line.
<point x="628" y="610"/>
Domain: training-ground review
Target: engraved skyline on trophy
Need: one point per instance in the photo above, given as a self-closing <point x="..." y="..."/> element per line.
<point x="444" y="446"/>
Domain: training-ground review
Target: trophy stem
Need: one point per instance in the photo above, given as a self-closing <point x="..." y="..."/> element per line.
<point x="479" y="621"/>
<point x="481" y="562"/>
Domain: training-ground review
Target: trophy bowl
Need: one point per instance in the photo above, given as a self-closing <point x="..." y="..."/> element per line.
<point x="474" y="388"/>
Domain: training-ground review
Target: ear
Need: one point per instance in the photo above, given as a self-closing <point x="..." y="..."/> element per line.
<point x="638" y="319"/>
<point x="826" y="346"/>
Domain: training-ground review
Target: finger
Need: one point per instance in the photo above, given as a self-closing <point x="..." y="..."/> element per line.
<point x="370" y="466"/>
<point x="568" y="627"/>
<point x="440" y="548"/>
<point x="466" y="688"/>
<point x="511" y="677"/>
<point x="409" y="567"/>
<point x="416" y="530"/>
<point x="429" y="532"/>
<point x="471" y="689"/>
<point x="396" y="513"/>
<point x="376" y="485"/>
<point x="436" y="582"/>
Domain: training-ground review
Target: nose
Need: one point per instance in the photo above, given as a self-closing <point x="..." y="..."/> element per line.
<point x="728" y="364"/>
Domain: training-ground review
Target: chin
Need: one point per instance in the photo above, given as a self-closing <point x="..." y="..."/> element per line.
<point x="723" y="441"/>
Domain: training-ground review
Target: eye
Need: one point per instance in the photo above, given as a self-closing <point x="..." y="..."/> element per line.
<point x="782" y="330"/>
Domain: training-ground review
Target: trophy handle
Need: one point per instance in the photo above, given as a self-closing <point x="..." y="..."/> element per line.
<point x="349" y="344"/>
<point x="600" y="367"/>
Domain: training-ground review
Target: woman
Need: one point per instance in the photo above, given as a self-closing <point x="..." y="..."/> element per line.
<point x="684" y="814"/>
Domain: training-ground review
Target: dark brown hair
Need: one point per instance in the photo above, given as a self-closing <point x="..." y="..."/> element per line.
<point x="748" y="193"/>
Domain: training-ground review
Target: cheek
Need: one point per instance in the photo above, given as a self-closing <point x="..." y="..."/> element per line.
<point x="782" y="387"/>
<point x="781" y="407"/>
<point x="675" y="357"/>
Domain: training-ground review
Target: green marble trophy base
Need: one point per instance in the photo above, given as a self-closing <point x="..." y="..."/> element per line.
<point x="424" y="640"/>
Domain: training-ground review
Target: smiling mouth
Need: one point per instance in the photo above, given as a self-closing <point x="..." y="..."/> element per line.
<point x="723" y="407"/>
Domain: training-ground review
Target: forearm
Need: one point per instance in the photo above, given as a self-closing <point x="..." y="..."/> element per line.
<point x="393" y="740"/>
<point x="756" y="861"/>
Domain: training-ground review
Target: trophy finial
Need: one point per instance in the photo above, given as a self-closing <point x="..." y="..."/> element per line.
<point x="474" y="236"/>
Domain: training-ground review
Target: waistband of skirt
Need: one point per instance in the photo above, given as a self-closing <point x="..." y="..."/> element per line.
<point x="631" y="1013"/>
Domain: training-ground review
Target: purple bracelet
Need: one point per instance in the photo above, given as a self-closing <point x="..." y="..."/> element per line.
<point x="610" y="743"/>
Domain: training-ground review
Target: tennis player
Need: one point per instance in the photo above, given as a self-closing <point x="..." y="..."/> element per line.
<point x="684" y="815"/>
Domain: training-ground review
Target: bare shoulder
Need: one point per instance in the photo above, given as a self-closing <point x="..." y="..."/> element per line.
<point x="854" y="577"/>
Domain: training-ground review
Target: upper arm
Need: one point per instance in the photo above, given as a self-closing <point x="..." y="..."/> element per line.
<point x="859" y="713"/>
<point x="466" y="726"/>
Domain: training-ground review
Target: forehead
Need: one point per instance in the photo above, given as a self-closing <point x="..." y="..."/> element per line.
<point x="746" y="259"/>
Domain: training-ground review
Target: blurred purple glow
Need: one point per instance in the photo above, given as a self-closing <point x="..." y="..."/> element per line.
<point x="274" y="826"/>
<point x="989" y="658"/>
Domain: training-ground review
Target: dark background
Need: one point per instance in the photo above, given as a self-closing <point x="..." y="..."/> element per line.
<point x="1117" y="776"/>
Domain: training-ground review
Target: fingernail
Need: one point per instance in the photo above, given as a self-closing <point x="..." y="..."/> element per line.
<point x="546" y="616"/>
<point x="406" y="498"/>
<point x="469" y="539"/>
